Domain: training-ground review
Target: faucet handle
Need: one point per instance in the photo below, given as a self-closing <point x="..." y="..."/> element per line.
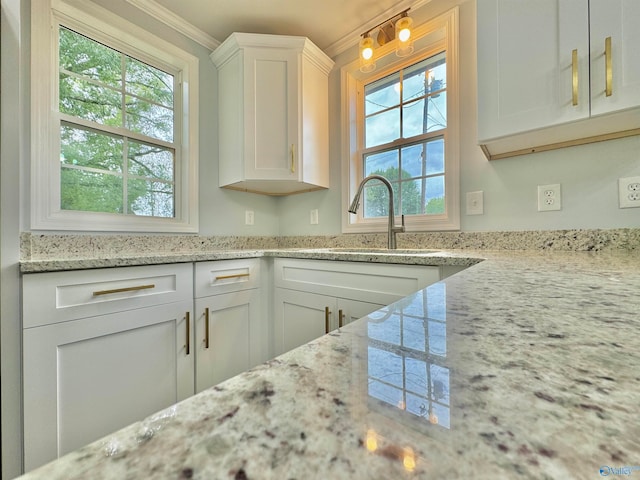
<point x="402" y="219"/>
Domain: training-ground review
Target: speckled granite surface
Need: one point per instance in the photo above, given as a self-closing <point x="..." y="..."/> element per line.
<point x="68" y="252"/>
<point x="525" y="365"/>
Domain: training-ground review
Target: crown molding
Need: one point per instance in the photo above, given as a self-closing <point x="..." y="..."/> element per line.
<point x="166" y="16"/>
<point x="353" y="38"/>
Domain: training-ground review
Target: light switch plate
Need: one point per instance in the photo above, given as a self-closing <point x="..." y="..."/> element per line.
<point x="475" y="203"/>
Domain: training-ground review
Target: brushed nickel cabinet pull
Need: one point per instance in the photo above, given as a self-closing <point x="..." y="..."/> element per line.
<point x="326" y="319"/>
<point x="235" y="275"/>
<point x="206" y="327"/>
<point x="121" y="290"/>
<point x="608" y="67"/>
<point x="574" y="77"/>
<point x="340" y="318"/>
<point x="188" y="346"/>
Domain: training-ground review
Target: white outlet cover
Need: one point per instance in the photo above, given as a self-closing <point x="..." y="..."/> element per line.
<point x="629" y="192"/>
<point x="549" y="197"/>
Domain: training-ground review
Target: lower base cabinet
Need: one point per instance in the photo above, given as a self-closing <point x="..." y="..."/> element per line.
<point x="86" y="378"/>
<point x="314" y="297"/>
<point x="299" y="317"/>
<point x="226" y="336"/>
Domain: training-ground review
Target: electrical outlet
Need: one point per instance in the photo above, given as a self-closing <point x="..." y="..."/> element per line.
<point x="313" y="216"/>
<point x="629" y="192"/>
<point x="549" y="197"/>
<point x="248" y="217"/>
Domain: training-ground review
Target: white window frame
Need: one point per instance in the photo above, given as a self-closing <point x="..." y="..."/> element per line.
<point x="104" y="26"/>
<point x="431" y="38"/>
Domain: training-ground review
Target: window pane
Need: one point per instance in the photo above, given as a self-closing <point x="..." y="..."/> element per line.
<point x="412" y="161"/>
<point x="383" y="163"/>
<point x="413" y="115"/>
<point x="437" y="112"/>
<point x="382" y="128"/>
<point x="83" y="99"/>
<point x="149" y="83"/>
<point x="90" y="191"/>
<point x="376" y="199"/>
<point x="91" y="149"/>
<point x="90" y="59"/>
<point x="150" y="161"/>
<point x="425" y="77"/>
<point x="434" y="195"/>
<point x="412" y="197"/>
<point x="151" y="199"/>
<point x="435" y="156"/>
<point x="382" y="94"/>
<point x="149" y="119"/>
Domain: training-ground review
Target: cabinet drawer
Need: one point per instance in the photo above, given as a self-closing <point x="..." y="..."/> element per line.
<point x="379" y="283"/>
<point x="61" y="296"/>
<point x="225" y="276"/>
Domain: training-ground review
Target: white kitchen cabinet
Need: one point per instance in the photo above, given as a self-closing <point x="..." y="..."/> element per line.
<point x="86" y="376"/>
<point x="314" y="297"/>
<point x="299" y="316"/>
<point x="542" y="70"/>
<point x="273" y="114"/>
<point x="231" y="330"/>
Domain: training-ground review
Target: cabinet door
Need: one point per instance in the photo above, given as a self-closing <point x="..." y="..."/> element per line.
<point x="233" y="340"/>
<point x="86" y="378"/>
<point x="271" y="123"/>
<point x="299" y="317"/>
<point x="525" y="76"/>
<point x="618" y="20"/>
<point x="352" y="310"/>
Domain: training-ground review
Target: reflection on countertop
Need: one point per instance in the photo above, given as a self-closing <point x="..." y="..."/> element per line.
<point x="522" y="366"/>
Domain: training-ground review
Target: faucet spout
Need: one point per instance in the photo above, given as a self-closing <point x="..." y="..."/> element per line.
<point x="392" y="228"/>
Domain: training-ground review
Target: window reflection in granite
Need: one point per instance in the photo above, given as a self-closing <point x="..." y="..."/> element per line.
<point x="407" y="340"/>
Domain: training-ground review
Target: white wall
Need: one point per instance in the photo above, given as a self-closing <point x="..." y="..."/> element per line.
<point x="588" y="174"/>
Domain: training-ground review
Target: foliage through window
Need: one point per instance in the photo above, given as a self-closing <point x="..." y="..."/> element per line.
<point x="404" y="128"/>
<point x="116" y="131"/>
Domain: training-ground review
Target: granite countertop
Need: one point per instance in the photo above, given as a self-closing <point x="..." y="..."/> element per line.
<point x="525" y="365"/>
<point x="369" y="255"/>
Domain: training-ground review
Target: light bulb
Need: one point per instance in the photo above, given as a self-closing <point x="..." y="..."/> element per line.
<point x="404" y="44"/>
<point x="366" y="48"/>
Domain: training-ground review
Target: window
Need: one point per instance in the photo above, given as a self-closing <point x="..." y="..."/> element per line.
<point x="402" y="124"/>
<point x="118" y="150"/>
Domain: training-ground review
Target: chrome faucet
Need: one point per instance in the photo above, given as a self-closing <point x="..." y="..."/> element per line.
<point x="393" y="229"/>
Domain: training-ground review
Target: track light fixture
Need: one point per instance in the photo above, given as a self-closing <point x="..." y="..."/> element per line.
<point x="397" y="27"/>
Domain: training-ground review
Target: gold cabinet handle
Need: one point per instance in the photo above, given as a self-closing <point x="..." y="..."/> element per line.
<point x="574" y="77"/>
<point x="608" y="67"/>
<point x="188" y="345"/>
<point x="340" y="318"/>
<point x="293" y="158"/>
<point x="125" y="289"/>
<point x="235" y="275"/>
<point x="206" y="327"/>
<point x="326" y="319"/>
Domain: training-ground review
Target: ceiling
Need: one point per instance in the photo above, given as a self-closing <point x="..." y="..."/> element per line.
<point x="333" y="25"/>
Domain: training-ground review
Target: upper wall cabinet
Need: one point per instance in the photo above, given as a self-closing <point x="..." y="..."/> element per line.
<point x="273" y="119"/>
<point x="555" y="73"/>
